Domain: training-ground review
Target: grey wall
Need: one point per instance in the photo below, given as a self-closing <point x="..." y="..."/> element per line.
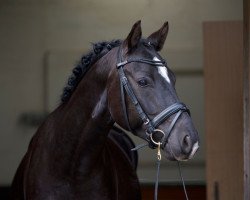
<point x="30" y="28"/>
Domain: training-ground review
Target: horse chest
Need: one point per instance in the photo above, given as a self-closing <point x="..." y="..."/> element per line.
<point x="119" y="177"/>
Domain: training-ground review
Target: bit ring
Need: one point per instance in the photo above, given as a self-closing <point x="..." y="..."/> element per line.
<point x="151" y="136"/>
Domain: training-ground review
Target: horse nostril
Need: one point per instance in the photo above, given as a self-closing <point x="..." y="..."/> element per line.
<point x="187" y="144"/>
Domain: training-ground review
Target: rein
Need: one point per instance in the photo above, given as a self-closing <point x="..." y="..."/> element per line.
<point x="150" y="124"/>
<point x="158" y="171"/>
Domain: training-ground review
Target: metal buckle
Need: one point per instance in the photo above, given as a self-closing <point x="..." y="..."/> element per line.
<point x="151" y="136"/>
<point x="146" y="122"/>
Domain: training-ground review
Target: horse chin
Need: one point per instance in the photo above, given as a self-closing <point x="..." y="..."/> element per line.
<point x="173" y="155"/>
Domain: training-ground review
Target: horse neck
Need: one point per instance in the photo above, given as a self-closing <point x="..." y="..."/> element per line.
<point x="85" y="121"/>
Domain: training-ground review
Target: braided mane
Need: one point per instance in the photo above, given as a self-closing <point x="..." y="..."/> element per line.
<point x="87" y="60"/>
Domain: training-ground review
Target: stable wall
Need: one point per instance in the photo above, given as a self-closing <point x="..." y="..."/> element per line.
<point x="30" y="30"/>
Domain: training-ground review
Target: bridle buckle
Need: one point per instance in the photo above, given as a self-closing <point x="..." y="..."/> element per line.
<point x="146" y="122"/>
<point x="152" y="139"/>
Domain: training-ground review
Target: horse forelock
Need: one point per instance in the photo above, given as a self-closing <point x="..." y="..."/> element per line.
<point x="86" y="61"/>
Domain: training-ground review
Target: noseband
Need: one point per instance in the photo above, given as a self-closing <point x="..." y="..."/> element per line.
<point x="150" y="124"/>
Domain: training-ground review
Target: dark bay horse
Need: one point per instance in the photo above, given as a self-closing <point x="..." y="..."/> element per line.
<point x="126" y="82"/>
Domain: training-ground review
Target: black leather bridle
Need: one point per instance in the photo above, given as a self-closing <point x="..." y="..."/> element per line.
<point x="150" y="124"/>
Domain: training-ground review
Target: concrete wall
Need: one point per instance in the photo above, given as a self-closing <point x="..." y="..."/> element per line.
<point x="30" y="28"/>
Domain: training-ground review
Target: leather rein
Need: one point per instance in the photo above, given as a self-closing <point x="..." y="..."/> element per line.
<point x="151" y="124"/>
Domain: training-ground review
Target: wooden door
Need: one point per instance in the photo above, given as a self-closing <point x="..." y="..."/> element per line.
<point x="223" y="70"/>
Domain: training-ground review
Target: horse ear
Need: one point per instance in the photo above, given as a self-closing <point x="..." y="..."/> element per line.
<point x="133" y="37"/>
<point x="157" y="39"/>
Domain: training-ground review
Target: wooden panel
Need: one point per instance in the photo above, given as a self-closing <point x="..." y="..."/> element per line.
<point x="173" y="192"/>
<point x="166" y="192"/>
<point x="223" y="58"/>
<point x="246" y="39"/>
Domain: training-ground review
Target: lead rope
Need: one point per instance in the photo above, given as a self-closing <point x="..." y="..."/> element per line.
<point x="158" y="170"/>
<point x="182" y="180"/>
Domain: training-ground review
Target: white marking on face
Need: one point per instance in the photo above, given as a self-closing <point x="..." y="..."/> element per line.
<point x="163" y="71"/>
<point x="194" y="149"/>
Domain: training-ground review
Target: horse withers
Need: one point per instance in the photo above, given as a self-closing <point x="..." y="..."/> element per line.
<point x="127" y="82"/>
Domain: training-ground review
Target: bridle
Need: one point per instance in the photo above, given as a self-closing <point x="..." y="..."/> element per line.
<point x="151" y="124"/>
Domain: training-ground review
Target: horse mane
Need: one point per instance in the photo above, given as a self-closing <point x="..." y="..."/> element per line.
<point x="86" y="61"/>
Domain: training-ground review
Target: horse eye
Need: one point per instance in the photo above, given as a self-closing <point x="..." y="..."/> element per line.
<point x="142" y="82"/>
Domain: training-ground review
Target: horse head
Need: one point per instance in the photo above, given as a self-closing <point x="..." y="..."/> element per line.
<point x="142" y="96"/>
